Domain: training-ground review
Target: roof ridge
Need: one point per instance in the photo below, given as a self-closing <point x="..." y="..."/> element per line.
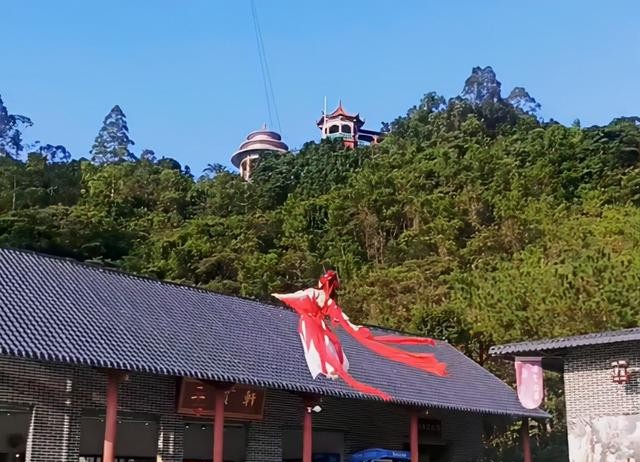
<point x="577" y="336"/>
<point x="564" y="342"/>
<point x="121" y="272"/>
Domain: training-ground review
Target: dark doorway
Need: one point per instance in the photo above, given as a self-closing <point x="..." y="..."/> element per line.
<point x="14" y="428"/>
<point x="431" y="452"/>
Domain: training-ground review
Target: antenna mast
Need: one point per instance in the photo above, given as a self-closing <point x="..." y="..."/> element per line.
<point x="272" y="109"/>
<point x="324" y="119"/>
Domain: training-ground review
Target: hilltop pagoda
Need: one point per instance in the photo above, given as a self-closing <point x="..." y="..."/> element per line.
<point x="256" y="144"/>
<point x="347" y="127"/>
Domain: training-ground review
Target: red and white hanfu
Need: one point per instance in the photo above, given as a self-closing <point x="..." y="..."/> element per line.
<point x="322" y="349"/>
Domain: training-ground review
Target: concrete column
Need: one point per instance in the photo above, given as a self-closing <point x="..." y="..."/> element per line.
<point x="111" y="418"/>
<point x="307" y="435"/>
<point x="413" y="437"/>
<point x="218" y="426"/>
<point x="526" y="441"/>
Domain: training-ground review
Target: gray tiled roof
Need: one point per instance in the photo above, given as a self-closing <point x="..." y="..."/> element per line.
<point x="563" y="343"/>
<point x="59" y="310"/>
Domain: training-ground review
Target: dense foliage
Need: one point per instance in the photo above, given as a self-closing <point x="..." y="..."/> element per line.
<point x="474" y="221"/>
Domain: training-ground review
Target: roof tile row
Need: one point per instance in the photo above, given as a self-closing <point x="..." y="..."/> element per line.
<point x="55" y="309"/>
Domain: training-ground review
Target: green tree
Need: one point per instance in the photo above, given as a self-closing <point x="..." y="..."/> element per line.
<point x="11" y="125"/>
<point x="112" y="142"/>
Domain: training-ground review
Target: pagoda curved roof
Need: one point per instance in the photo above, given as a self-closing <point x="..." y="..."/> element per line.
<point x="341" y="112"/>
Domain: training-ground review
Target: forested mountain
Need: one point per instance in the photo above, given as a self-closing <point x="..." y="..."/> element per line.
<point x="474" y="220"/>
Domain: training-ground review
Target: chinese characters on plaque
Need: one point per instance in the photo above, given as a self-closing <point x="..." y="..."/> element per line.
<point x="241" y="402"/>
<point x="430" y="427"/>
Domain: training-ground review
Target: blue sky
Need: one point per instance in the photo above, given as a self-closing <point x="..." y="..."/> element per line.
<point x="187" y="73"/>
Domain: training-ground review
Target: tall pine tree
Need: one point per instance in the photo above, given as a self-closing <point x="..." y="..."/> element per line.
<point x="10" y="134"/>
<point x="482" y="86"/>
<point x="520" y="99"/>
<point x="113" y="141"/>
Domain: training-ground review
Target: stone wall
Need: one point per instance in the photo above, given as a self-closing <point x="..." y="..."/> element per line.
<point x="603" y="417"/>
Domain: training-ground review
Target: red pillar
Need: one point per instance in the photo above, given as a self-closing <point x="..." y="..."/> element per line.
<point x="413" y="436"/>
<point x="218" y="426"/>
<point x="526" y="441"/>
<point x="307" y="434"/>
<point x="111" y="418"/>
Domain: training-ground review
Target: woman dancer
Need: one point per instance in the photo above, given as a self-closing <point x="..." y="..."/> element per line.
<point x="322" y="349"/>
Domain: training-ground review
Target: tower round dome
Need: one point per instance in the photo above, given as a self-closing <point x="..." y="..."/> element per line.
<point x="256" y="143"/>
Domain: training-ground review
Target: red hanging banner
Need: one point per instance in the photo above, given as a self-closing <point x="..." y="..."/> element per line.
<point x="529" y="380"/>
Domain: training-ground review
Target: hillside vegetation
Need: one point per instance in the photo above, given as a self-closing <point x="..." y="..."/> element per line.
<point x="474" y="221"/>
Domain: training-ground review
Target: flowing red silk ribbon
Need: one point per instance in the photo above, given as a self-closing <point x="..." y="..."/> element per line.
<point x="313" y="307"/>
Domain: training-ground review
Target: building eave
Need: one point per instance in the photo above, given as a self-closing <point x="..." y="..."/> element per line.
<point x="49" y="306"/>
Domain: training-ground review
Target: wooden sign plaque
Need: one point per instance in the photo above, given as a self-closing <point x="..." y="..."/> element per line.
<point x="242" y="402"/>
